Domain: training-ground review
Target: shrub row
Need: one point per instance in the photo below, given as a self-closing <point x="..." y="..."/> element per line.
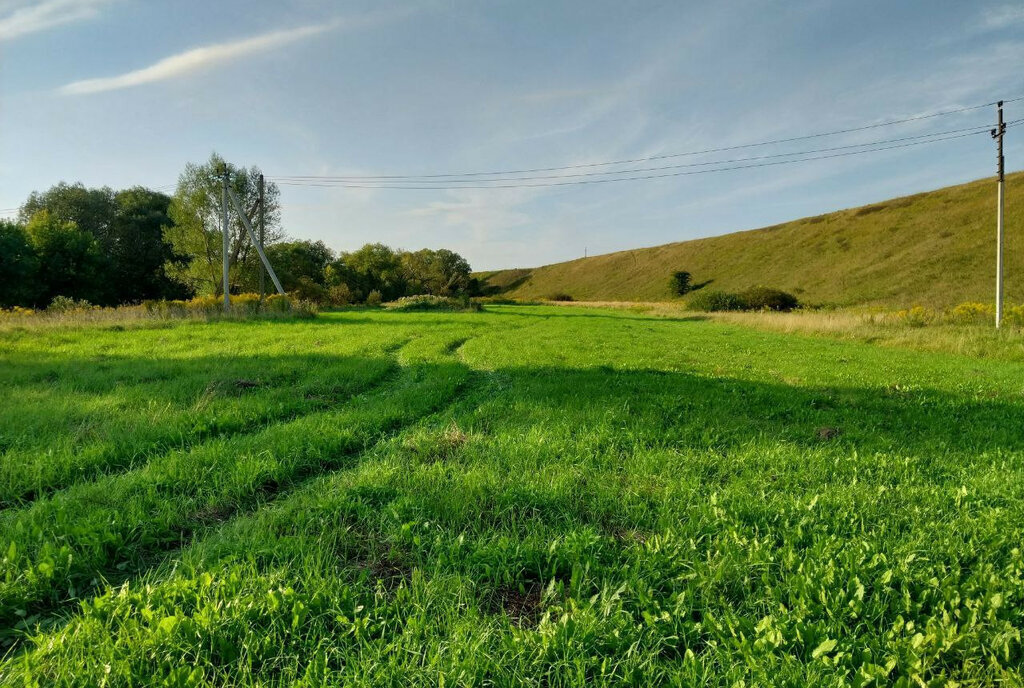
<point x="428" y="302"/>
<point x="754" y="299"/>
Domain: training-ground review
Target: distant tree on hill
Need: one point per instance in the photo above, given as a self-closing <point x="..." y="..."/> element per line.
<point x="681" y="283"/>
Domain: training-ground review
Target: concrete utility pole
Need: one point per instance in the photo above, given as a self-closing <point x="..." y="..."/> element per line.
<point x="227" y="249"/>
<point x="252" y="236"/>
<point x="263" y="289"/>
<point x="997" y="134"/>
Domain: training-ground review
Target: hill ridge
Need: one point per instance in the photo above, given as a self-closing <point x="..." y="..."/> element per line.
<point x="934" y="248"/>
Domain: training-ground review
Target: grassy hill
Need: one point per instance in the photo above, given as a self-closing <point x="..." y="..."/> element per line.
<point x="935" y="248"/>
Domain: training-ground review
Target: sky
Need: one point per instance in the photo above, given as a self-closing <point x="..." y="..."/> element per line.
<point x="127" y="92"/>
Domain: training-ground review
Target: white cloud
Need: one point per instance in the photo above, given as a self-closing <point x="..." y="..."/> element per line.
<point x="1002" y="17"/>
<point x="19" y="18"/>
<point x="195" y="59"/>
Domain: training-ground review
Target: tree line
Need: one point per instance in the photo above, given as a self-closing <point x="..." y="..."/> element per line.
<point x="112" y="247"/>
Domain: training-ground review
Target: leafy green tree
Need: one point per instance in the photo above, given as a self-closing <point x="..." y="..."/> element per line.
<point x="139" y="252"/>
<point x="92" y="210"/>
<point x="441" y="272"/>
<point x="19" y="266"/>
<point x="681" y="283"/>
<point x="196" y="231"/>
<point x="374" y="267"/>
<point x="294" y="260"/>
<point x="71" y="262"/>
<point x="128" y="225"/>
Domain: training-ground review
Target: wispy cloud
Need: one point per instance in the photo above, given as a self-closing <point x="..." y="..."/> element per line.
<point x="1002" y="17"/>
<point x="196" y="59"/>
<point x="19" y="18"/>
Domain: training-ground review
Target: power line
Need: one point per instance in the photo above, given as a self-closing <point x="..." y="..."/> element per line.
<point x="674" y="155"/>
<point x="625" y="179"/>
<point x="340" y="180"/>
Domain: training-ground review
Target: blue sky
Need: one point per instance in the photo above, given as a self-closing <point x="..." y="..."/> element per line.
<point x="124" y="92"/>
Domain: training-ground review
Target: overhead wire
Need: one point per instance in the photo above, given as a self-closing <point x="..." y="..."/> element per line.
<point x="341" y="180"/>
<point x="575" y="182"/>
<point x="705" y="151"/>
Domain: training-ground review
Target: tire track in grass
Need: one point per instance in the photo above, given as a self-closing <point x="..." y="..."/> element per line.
<point x="66" y="544"/>
<point x="296" y="387"/>
<point x="69" y="394"/>
<point x="27" y="476"/>
<point x="215" y="548"/>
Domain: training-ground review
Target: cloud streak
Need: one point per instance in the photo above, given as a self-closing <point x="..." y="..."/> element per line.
<point x="1002" y="17"/>
<point x="195" y="60"/>
<point x="21" y="18"/>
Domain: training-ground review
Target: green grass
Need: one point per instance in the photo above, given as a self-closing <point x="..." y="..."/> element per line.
<point x="935" y="249"/>
<point x="526" y="495"/>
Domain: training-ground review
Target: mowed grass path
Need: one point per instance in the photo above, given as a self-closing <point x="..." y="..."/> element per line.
<point x="527" y="495"/>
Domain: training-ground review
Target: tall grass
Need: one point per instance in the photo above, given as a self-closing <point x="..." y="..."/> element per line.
<point x="526" y="496"/>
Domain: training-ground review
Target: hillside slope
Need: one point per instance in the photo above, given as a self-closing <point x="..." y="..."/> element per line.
<point x="935" y="248"/>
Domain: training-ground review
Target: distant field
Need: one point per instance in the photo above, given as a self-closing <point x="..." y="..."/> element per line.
<point x="934" y="249"/>
<point x="527" y="495"/>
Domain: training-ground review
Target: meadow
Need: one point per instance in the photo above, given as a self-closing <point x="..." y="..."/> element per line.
<point x="528" y="495"/>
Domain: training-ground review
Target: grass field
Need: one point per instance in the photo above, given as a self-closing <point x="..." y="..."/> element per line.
<point x="935" y="249"/>
<point x="527" y="495"/>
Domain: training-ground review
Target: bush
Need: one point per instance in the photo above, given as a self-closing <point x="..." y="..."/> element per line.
<point x="426" y="302"/>
<point x="973" y="313"/>
<point x="710" y="300"/>
<point x="559" y="296"/>
<point x="64" y="304"/>
<point x="918" y="316"/>
<point x="767" y="299"/>
<point x="308" y="290"/>
<point x="339" y="295"/>
<point x="374" y="298"/>
<point x="681" y="283"/>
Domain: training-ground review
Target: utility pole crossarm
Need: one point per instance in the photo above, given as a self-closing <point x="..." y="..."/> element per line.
<point x="252" y="236"/>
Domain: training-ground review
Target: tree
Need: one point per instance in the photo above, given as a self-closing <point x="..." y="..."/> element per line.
<point x="92" y="210"/>
<point x="139" y="252"/>
<point x="374" y="267"/>
<point x="681" y="283"/>
<point x="71" y="262"/>
<point x="128" y="225"/>
<point x="19" y="266"/>
<point x="294" y="260"/>
<point x="441" y="272"/>
<point x="196" y="232"/>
